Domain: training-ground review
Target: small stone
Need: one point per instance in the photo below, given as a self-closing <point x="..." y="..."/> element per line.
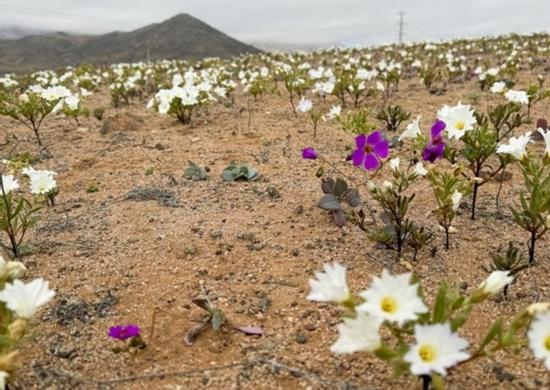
<point x="65" y="351"/>
<point x="301" y="338"/>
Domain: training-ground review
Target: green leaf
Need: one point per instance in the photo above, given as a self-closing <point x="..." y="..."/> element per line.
<point x="385" y="353"/>
<point x="340" y="187"/>
<point x="458" y="321"/>
<point x="496" y="330"/>
<point x="218" y="319"/>
<point x="353" y="197"/>
<point x="437" y="382"/>
<point x="440" y="304"/>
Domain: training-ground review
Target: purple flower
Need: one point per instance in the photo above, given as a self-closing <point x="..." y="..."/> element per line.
<point x="123" y="332"/>
<point x="370" y="150"/>
<point x="435" y="149"/>
<point x="309" y="153"/>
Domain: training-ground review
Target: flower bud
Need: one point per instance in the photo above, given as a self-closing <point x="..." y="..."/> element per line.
<point x="537" y="308"/>
<point x="17" y="329"/>
<point x="15" y="269"/>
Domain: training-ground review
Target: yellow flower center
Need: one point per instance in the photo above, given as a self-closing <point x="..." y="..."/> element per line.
<point x="427" y="353"/>
<point x="388" y="305"/>
<point x="547" y="342"/>
<point x="460" y="125"/>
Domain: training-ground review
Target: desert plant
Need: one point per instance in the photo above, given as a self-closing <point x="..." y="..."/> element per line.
<point x="30" y="109"/>
<point x="393" y="116"/>
<point x="235" y="172"/>
<point x="533" y="212"/>
<point x="195" y="172"/>
<point x="98" y="113"/>
<point x="337" y="191"/>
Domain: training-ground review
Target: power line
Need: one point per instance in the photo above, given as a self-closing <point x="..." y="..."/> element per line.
<point x="401" y="26"/>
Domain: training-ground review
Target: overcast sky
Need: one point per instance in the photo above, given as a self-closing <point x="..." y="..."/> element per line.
<point x="292" y="21"/>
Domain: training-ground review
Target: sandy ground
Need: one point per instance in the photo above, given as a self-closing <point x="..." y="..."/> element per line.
<point x="251" y="246"/>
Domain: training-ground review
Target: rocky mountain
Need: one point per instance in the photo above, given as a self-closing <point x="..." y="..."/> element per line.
<point x="180" y="37"/>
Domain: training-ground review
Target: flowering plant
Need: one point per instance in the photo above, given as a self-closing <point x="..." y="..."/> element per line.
<point x="19" y="303"/>
<point x="17" y="211"/>
<point x="30" y="109"/>
<point x="182" y="101"/>
<point x="392" y="319"/>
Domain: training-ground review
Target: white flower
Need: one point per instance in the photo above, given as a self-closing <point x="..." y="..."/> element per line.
<point x="459" y="119"/>
<point x="392" y="298"/>
<point x="334" y="112"/>
<point x="305" y="105"/>
<point x="163" y="107"/>
<point x="498" y="87"/>
<point x="516" y="147"/>
<point x="420" y="170"/>
<point x="436" y="349"/>
<point x="539" y="338"/>
<point x="412" y="130"/>
<point x="358" y="334"/>
<point x="220" y="91"/>
<point x="10" y="184"/>
<point x="387" y="184"/>
<point x="72" y="102"/>
<point x="538" y="308"/>
<point x="42" y="182"/>
<point x="363" y="74"/>
<point x="496" y="282"/>
<point x="546" y="136"/>
<point x="394" y="164"/>
<point x="3" y="376"/>
<point x="517" y="97"/>
<point x="330" y="285"/>
<point x="456" y="197"/>
<point x="24" y="299"/>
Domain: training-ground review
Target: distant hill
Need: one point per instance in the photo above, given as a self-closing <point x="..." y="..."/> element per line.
<point x="180" y="37"/>
<point x="16" y="32"/>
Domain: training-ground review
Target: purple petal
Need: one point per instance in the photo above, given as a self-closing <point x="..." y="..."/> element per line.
<point x="361" y="141"/>
<point x="374" y="138"/>
<point x="371" y="162"/>
<point x="437" y="128"/>
<point x="123" y="332"/>
<point x="309" y="153"/>
<point x="358" y="156"/>
<point x="433" y="151"/>
<point x="250" y="330"/>
<point x="382" y="149"/>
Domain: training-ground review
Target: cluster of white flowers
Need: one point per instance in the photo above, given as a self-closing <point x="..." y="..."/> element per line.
<point x="41" y="182"/>
<point x="7" y="81"/>
<point x="396" y="300"/>
<point x="63" y="94"/>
